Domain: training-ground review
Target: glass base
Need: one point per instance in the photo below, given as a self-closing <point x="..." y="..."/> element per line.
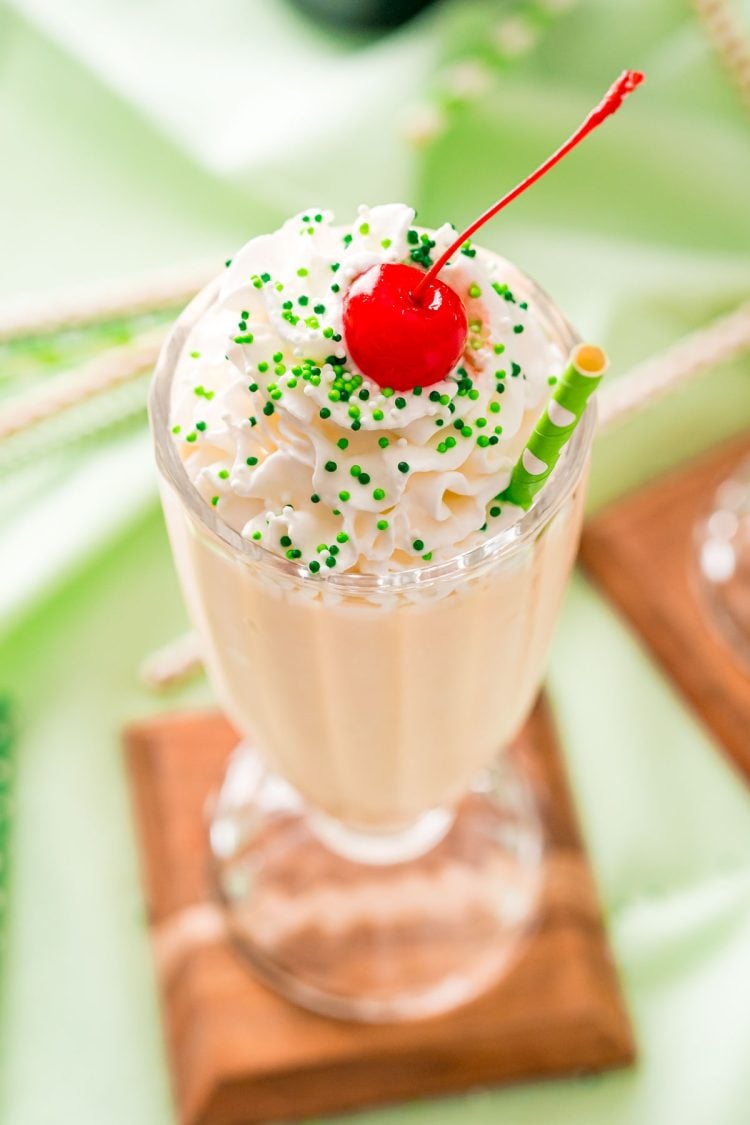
<point x="376" y="926"/>
<point x="722" y="544"/>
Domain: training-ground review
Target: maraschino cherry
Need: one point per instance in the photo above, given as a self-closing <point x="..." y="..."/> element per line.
<point x="403" y="327"/>
<point x="397" y="340"/>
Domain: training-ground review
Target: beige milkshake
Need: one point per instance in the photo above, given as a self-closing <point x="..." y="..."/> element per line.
<point x="373" y="440"/>
<point x="373" y="613"/>
<point x="381" y="632"/>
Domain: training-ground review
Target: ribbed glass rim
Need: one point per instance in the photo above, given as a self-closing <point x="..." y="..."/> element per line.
<point x="499" y="546"/>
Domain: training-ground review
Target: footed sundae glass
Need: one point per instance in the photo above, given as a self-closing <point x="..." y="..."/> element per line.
<point x="377" y="851"/>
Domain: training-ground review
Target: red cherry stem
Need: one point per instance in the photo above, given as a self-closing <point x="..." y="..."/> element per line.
<point x="610" y="103"/>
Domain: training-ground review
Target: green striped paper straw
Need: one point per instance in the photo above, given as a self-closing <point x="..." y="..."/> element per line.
<point x="578" y="382"/>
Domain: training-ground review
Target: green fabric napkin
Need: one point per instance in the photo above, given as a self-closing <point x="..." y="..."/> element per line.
<point x="139" y="135"/>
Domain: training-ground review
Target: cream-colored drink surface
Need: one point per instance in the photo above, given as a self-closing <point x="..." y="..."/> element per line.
<point x="303" y="454"/>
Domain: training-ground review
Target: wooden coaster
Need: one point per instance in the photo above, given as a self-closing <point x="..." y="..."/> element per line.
<point x="640" y="550"/>
<point x="242" y="1054"/>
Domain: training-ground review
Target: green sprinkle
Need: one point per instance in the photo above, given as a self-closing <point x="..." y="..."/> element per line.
<point x="387" y="392"/>
<point x="285" y="541"/>
<point x="176" y="429"/>
<point x="224" y="474"/>
<point x="342" y="442"/>
<point x="355" y="470"/>
<point x="403" y="466"/>
<point x="314" y="566"/>
<point x="257" y="535"/>
<point x="268" y="409"/>
<point x="214" y="500"/>
<point x="418" y="545"/>
<point x="252" y="387"/>
<point x="263" y="367"/>
<point x="314" y="499"/>
<point x="294" y="553"/>
<point x="412" y="237"/>
<point x="400" y="403"/>
<point x="344" y="496"/>
<point x="382" y="525"/>
<point x="378" y="494"/>
<point x="385" y="243"/>
<point x="378" y="416"/>
<point x="499" y="349"/>
<point x="364" y="228"/>
<point x="327" y="332"/>
<point x="330" y="561"/>
<point x="303" y="300"/>
<point x="197" y="355"/>
<point x="246" y="339"/>
<point x="483" y="441"/>
<point x="335" y="266"/>
<point x="494" y="408"/>
<point x="252" y="461"/>
<point x="495" y="511"/>
<point x="517" y="328"/>
<point x="475" y="291"/>
<point x="342" y="537"/>
<point x="552" y="380"/>
<point x="330" y="466"/>
<point x="335" y="288"/>
<point x="200" y="426"/>
<point x="364" y="478"/>
<point x="325" y="412"/>
<point x="427" y="557"/>
<point x="302" y="272"/>
<point x="383" y="442"/>
<point x="319" y="309"/>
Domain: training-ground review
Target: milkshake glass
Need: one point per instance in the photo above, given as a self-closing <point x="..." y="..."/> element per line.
<point x="378" y="854"/>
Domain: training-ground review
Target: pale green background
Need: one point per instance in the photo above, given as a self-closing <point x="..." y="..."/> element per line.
<point x="141" y="134"/>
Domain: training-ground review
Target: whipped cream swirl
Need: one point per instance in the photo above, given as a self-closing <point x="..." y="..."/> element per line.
<point x="303" y="454"/>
